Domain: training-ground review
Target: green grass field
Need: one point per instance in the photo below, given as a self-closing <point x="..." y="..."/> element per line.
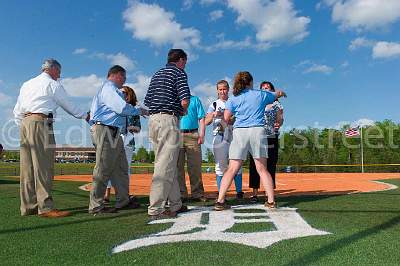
<point x="365" y="230"/>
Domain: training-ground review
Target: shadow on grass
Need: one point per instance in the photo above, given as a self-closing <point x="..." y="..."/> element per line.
<point x="313" y="256"/>
<point x="91" y="219"/>
<point x="9" y="181"/>
<point x="71" y="193"/>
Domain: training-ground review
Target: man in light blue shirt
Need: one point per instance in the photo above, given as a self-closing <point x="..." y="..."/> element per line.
<point x="192" y="127"/>
<point x="107" y="115"/>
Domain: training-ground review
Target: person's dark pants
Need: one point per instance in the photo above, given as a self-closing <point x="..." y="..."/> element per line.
<point x="254" y="177"/>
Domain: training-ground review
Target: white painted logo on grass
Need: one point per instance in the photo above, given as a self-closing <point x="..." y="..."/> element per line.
<point x="191" y="227"/>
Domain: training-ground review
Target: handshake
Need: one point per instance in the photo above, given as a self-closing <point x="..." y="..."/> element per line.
<point x="143" y="110"/>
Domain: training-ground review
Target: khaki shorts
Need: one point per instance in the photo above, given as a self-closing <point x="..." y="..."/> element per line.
<point x="252" y="139"/>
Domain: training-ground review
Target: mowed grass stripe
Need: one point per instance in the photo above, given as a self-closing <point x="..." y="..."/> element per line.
<point x="365" y="230"/>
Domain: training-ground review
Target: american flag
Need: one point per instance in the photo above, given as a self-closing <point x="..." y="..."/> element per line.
<point x="352" y="132"/>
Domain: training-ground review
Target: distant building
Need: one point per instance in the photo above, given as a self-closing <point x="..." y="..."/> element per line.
<point x="82" y="154"/>
<point x="62" y="154"/>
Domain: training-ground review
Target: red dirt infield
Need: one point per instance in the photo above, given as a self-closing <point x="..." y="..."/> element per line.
<point x="288" y="184"/>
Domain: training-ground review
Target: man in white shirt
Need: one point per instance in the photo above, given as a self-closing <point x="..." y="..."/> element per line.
<point x="36" y="106"/>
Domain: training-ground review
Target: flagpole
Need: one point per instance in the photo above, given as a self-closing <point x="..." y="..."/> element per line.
<point x="362" y="152"/>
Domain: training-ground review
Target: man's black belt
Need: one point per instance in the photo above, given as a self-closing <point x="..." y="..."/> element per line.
<point x="189" y="130"/>
<point x="164" y="112"/>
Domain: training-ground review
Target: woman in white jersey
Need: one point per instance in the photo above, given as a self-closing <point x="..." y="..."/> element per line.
<point x="222" y="136"/>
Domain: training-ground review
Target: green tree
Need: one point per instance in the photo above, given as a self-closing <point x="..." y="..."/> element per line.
<point x="152" y="157"/>
<point x="210" y="156"/>
<point x="142" y="155"/>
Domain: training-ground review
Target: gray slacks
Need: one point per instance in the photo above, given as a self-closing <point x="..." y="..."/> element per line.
<point x="111" y="164"/>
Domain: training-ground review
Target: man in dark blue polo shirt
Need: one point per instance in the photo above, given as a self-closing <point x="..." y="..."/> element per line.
<point x="167" y="98"/>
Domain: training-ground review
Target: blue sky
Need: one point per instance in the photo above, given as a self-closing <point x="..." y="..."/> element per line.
<point x="338" y="60"/>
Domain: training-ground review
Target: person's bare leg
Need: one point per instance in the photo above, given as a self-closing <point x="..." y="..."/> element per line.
<point x="107" y="194"/>
<point x="265" y="178"/>
<point x="233" y="168"/>
<point x="255" y="192"/>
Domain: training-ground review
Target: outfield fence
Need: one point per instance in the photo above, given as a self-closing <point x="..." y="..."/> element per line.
<point x="87" y="169"/>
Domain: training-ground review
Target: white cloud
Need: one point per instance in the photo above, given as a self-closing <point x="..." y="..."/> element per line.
<point x="140" y="86"/>
<point x="80" y="51"/>
<point x="311" y="67"/>
<point x="319" y="68"/>
<point x="231" y="44"/>
<point x="5" y="100"/>
<point x="340" y="125"/>
<point x="150" y="22"/>
<point x="274" y="21"/>
<point x="84" y="86"/>
<point x="206" y="91"/>
<point x="187" y="4"/>
<point x="386" y="50"/>
<point x="360" y="42"/>
<point x="380" y="49"/>
<point x="216" y="14"/>
<point x="357" y="123"/>
<point x="345" y="64"/>
<point x="208" y="2"/>
<point x="363" y="122"/>
<point x="364" y="14"/>
<point x="117" y="59"/>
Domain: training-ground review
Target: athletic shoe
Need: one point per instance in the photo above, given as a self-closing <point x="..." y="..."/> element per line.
<point x="271" y="205"/>
<point x="254" y="199"/>
<point x="239" y="195"/>
<point x="218" y="206"/>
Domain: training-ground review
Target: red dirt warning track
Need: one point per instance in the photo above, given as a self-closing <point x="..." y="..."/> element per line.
<point x="287" y="184"/>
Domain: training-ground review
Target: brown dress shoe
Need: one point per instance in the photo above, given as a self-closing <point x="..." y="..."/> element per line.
<point x="164" y="215"/>
<point x="55" y="214"/>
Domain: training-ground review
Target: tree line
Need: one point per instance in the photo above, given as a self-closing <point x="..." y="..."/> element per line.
<point x="313" y="146"/>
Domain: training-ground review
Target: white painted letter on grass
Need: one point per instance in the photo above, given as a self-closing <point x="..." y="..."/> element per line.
<point x="189" y="227"/>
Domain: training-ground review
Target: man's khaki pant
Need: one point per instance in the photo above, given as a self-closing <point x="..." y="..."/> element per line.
<point x="192" y="151"/>
<point x="164" y="134"/>
<point x="36" y="165"/>
<point x="111" y="164"/>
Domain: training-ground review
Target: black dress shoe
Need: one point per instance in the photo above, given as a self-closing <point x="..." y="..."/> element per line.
<point x="132" y="204"/>
<point x="184" y="208"/>
<point x="200" y="199"/>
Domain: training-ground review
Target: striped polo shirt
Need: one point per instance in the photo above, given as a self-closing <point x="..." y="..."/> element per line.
<point x="168" y="87"/>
